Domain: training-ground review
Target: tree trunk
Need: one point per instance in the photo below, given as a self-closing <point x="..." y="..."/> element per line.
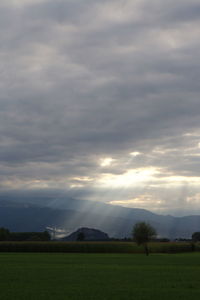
<point x="146" y="249"/>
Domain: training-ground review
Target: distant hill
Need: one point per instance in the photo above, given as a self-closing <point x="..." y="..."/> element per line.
<point x="27" y="214"/>
<point x="89" y="234"/>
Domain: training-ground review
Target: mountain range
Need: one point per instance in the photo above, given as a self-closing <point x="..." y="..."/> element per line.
<point x="68" y="214"/>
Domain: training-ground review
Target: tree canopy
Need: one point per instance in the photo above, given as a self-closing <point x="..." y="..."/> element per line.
<point x="196" y="236"/>
<point x="142" y="234"/>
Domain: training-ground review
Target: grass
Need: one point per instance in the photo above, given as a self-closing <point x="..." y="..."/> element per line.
<point x="52" y="276"/>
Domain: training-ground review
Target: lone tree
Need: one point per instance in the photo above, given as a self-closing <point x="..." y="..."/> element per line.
<point x="4" y="234"/>
<point x="142" y="234"/>
<point x="196" y="236"/>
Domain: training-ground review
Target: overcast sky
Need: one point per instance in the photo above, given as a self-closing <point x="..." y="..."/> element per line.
<point x="101" y="100"/>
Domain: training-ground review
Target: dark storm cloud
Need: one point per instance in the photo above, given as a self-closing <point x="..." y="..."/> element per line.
<point x="86" y="80"/>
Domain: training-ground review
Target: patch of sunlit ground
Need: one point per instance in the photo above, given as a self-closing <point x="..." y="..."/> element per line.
<point x="99" y="276"/>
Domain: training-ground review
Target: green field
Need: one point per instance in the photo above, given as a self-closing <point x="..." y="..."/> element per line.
<point x="31" y="276"/>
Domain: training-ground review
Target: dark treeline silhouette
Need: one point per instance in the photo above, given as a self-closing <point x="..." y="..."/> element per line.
<point x="6" y="235"/>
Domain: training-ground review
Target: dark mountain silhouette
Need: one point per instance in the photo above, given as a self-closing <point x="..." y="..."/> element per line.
<point x="88" y="234"/>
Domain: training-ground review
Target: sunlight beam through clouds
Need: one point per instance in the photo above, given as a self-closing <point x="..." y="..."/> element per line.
<point x="100" y="99"/>
<point x="130" y="178"/>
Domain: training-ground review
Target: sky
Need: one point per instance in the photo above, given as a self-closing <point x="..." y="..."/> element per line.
<point x="101" y="100"/>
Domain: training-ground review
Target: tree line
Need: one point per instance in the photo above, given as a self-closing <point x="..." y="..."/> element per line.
<point x="142" y="234"/>
<point x="6" y="235"/>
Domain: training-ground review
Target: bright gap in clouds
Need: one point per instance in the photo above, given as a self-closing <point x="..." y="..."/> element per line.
<point x="141" y="201"/>
<point x="129" y="178"/>
<point x="105" y="162"/>
<point x="134" y="154"/>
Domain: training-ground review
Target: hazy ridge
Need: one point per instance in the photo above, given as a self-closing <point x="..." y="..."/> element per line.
<point x="70" y="214"/>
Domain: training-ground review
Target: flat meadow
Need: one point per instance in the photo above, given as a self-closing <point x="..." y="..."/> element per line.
<point x="75" y="276"/>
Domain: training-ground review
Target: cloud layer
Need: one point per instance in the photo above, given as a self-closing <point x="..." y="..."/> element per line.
<point x="86" y="83"/>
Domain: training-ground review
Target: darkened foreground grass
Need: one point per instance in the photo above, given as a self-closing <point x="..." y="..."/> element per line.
<point x="52" y="276"/>
<point x="96" y="247"/>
